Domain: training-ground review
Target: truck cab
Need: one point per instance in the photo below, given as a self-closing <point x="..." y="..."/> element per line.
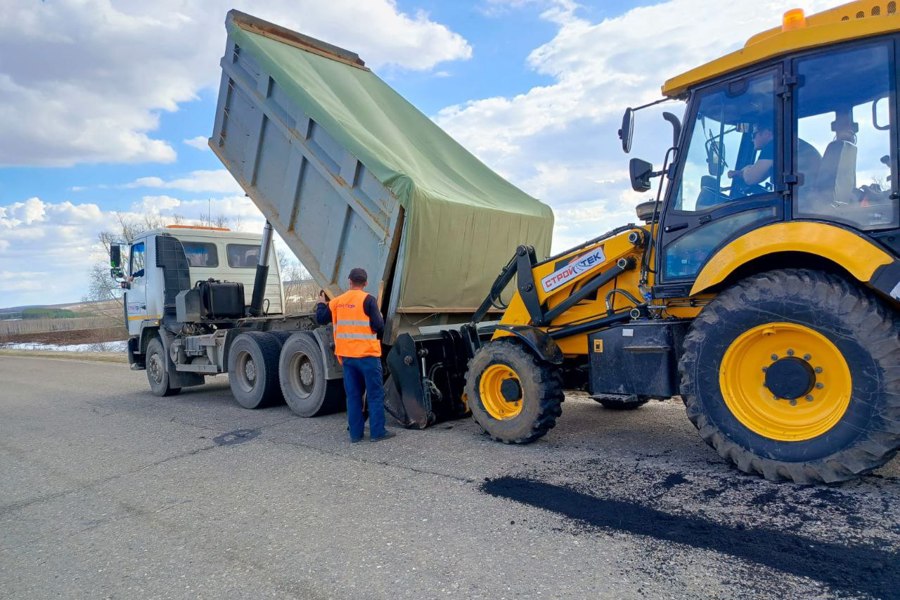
<point x="210" y="253"/>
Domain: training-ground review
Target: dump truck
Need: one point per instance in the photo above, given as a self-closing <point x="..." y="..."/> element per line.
<point x="349" y="174"/>
<point x="763" y="282"/>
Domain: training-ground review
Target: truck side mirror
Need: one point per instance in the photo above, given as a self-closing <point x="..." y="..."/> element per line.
<point x="641" y="171"/>
<point x="115" y="261"/>
<point x="627" y="130"/>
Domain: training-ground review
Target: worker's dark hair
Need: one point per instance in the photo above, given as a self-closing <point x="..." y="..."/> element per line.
<point x="358" y="276"/>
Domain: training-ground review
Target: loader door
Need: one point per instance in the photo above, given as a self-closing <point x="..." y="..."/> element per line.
<point x="136" y="296"/>
<point x="728" y="177"/>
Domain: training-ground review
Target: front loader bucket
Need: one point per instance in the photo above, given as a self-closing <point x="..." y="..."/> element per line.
<point x="426" y="379"/>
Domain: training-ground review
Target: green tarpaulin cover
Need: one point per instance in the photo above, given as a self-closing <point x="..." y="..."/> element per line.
<point x="463" y="221"/>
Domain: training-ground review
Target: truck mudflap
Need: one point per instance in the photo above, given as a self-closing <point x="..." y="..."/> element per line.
<point x="426" y="379"/>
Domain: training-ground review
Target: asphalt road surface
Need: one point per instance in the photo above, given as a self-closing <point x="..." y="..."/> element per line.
<point x="109" y="492"/>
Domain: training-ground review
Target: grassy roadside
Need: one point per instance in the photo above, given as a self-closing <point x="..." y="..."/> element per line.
<point x="114" y="357"/>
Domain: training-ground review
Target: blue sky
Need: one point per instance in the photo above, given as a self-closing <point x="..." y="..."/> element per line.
<point x="105" y="105"/>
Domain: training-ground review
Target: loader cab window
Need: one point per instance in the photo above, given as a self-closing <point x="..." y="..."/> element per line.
<point x="726" y="184"/>
<point x="732" y="149"/>
<point x="201" y="254"/>
<point x="136" y="261"/>
<point x="843" y="110"/>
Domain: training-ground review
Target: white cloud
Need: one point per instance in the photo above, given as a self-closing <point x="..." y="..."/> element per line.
<point x="156" y="204"/>
<point x="557" y="141"/>
<point x="90" y="78"/>
<point x="201" y="142"/>
<point x="47" y="249"/>
<point x="217" y="181"/>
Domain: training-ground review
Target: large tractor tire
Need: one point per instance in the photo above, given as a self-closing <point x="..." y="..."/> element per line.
<point x="253" y="369"/>
<point x="301" y="371"/>
<point x="621" y="401"/>
<point x="514" y="397"/>
<point x="795" y="375"/>
<point x="157" y="364"/>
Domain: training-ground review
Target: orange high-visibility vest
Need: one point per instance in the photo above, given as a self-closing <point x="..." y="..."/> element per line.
<point x="353" y="336"/>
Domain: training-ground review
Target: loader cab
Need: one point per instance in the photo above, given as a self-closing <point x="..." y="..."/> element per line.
<point x="809" y="137"/>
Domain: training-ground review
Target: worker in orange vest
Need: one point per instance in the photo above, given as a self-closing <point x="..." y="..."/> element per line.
<point x="358" y="325"/>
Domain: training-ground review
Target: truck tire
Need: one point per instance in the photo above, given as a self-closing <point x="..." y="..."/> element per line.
<point x="301" y="370"/>
<point x="795" y="375"/>
<point x="621" y="402"/>
<point x="514" y="397"/>
<point x="253" y="369"/>
<point x="157" y="369"/>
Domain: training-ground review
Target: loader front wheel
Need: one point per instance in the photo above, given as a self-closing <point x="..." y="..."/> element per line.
<point x="795" y="375"/>
<point x="514" y="396"/>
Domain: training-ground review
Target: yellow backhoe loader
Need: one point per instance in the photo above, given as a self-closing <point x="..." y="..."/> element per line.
<point x="762" y="285"/>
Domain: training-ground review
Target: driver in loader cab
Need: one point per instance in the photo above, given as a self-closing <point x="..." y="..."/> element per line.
<point x="759" y="171"/>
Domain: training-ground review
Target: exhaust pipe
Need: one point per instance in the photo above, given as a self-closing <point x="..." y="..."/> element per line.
<point x="262" y="273"/>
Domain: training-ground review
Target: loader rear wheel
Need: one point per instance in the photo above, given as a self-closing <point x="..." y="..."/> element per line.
<point x="253" y="369"/>
<point x="795" y="375"/>
<point x="157" y="364"/>
<point x="301" y="371"/>
<point x="514" y="397"/>
<point x="621" y="402"/>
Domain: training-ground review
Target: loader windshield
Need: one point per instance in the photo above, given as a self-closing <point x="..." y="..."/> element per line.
<point x="732" y="148"/>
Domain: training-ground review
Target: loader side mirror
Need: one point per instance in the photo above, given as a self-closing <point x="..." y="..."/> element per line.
<point x="627" y="130"/>
<point x="641" y="171"/>
<point x="115" y="262"/>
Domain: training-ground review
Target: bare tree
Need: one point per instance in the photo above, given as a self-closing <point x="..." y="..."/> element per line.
<point x="101" y="286"/>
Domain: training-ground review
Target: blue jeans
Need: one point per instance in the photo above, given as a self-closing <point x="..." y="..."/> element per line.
<point x="364" y="375"/>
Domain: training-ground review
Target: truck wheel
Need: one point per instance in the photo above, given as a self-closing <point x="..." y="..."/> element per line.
<point x="514" y="397"/>
<point x="621" y="402"/>
<point x="157" y="372"/>
<point x="795" y="375"/>
<point x="253" y="369"/>
<point x="301" y="370"/>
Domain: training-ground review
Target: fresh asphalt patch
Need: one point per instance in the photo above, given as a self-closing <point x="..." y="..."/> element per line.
<point x="844" y="539"/>
<point x="864" y="570"/>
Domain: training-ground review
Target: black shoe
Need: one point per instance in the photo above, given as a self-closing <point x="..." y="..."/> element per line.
<point x="355" y="440"/>
<point x="387" y="435"/>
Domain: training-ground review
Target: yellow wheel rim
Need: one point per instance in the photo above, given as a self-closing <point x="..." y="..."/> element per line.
<point x="491" y="392"/>
<point x="754" y="370"/>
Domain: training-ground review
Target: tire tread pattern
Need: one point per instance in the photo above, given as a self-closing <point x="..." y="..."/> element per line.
<point x="543" y="376"/>
<point x="867" y="317"/>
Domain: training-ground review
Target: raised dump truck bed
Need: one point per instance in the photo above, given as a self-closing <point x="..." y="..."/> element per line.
<point x="352" y="175"/>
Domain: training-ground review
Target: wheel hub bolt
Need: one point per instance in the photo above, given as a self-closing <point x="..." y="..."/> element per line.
<point x="819" y="385"/>
<point x="793" y="401"/>
<point x="774" y="357"/>
<point x="790" y="352"/>
<point x="809" y="398"/>
<point x="818" y="369"/>
<point x="807" y="357"/>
